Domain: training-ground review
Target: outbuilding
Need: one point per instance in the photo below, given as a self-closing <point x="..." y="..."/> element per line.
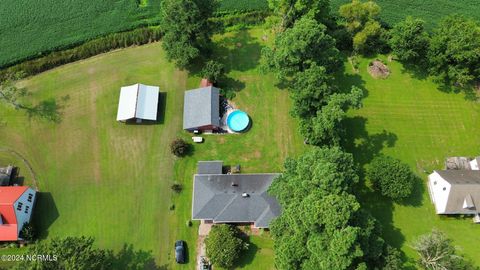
<point x="201" y="109"/>
<point x="138" y="102"/>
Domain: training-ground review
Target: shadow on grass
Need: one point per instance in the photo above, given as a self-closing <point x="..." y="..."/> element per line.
<point x="49" y="109"/>
<point x="240" y="52"/>
<point x="129" y="258"/>
<point x="248" y="256"/>
<point x="44" y="214"/>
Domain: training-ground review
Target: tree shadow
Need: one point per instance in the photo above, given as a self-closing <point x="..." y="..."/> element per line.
<point x="416" y="198"/>
<point x="45" y="213"/>
<point x="49" y="109"/>
<point x="229" y="86"/>
<point x="129" y="258"/>
<point x="248" y="256"/>
<point x="415" y="70"/>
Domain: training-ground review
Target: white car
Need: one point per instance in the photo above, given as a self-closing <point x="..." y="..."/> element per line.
<point x="197" y="139"/>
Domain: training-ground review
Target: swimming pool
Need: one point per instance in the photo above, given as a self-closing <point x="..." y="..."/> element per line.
<point x="238" y="121"/>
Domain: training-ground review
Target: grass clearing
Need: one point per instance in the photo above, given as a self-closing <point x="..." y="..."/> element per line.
<point x="411" y="119"/>
<point x="112" y="181"/>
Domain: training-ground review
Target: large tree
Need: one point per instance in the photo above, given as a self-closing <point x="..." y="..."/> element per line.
<point x="325" y="128"/>
<point x="322" y="225"/>
<point x="454" y="54"/>
<point x="187" y="29"/>
<point x="289" y="11"/>
<point x="310" y="91"/>
<point x="299" y="48"/>
<point x="11" y="94"/>
<point x="361" y="21"/>
<point x="224" y="245"/>
<point x="409" y="40"/>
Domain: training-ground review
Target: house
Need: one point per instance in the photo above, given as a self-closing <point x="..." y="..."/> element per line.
<point x="201" y="109"/>
<point x="456" y="190"/>
<point x="138" y="102"/>
<point x="6" y="175"/>
<point x="233" y="198"/>
<point x="16" y="207"/>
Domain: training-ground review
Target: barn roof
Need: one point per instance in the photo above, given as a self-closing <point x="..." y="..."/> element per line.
<point x="138" y="101"/>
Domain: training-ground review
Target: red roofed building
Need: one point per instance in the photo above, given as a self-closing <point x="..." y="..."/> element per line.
<point x="16" y="206"/>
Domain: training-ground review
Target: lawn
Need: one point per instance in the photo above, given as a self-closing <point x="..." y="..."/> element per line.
<point x="112" y="181"/>
<point x="408" y="117"/>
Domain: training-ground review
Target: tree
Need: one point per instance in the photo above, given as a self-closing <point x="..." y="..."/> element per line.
<point x="224" y="245"/>
<point x="180" y="147"/>
<point x="392" y="259"/>
<point x="391" y="177"/>
<point x="409" y="40"/>
<point x="289" y="11"/>
<point x="454" y="53"/>
<point x="28" y="232"/>
<point x="11" y="94"/>
<point x="68" y="253"/>
<point x="322" y="225"/>
<point x="437" y="252"/>
<point x="361" y="21"/>
<point x="310" y="91"/>
<point x="299" y="48"/>
<point x="213" y="71"/>
<point x="187" y="29"/>
<point x="325" y="128"/>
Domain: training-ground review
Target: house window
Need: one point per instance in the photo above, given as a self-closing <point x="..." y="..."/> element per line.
<point x="26" y="209"/>
<point x="19" y="206"/>
<point x="444" y="188"/>
<point x="30" y="197"/>
<point x="434" y="182"/>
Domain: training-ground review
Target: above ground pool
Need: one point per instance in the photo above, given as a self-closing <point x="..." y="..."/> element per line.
<point x="238" y="121"/>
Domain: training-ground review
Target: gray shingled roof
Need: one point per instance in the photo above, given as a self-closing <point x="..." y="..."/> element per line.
<point x="5" y="175"/>
<point x="216" y="198"/>
<point x="465" y="186"/>
<point x="201" y="107"/>
<point x="209" y="167"/>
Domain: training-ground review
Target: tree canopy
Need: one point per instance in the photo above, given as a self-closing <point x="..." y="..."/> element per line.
<point x="322" y="225"/>
<point x="391" y="177"/>
<point x="299" y="48"/>
<point x="186" y="28"/>
<point x="409" y="40"/>
<point x="289" y="11"/>
<point x="454" y="53"/>
<point x="325" y="128"/>
<point x="224" y="245"/>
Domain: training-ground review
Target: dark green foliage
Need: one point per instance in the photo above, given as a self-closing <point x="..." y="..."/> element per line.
<point x="322" y="225"/>
<point x="176" y="187"/>
<point x="213" y="71"/>
<point x="409" y="41"/>
<point x="391" y="177"/>
<point x="298" y="48"/>
<point x="110" y="42"/>
<point x="224" y="245"/>
<point x="186" y="29"/>
<point x="310" y="91"/>
<point x="289" y="11"/>
<point x="34" y="28"/>
<point x="392" y="259"/>
<point x="28" y="232"/>
<point x="72" y="253"/>
<point x="242" y="5"/>
<point x="436" y="251"/>
<point x="180" y="147"/>
<point x="454" y="53"/>
<point x="325" y="128"/>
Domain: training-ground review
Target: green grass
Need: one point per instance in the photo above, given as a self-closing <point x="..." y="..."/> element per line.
<point x="411" y="119"/>
<point x="430" y="11"/>
<point x="112" y="181"/>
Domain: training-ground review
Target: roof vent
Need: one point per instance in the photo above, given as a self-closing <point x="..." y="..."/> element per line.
<point x="234" y="184"/>
<point x="245" y="195"/>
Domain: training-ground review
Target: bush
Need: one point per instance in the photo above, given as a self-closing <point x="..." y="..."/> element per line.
<point x="224" y="245"/>
<point x="177" y="188"/>
<point x="391" y="177"/>
<point x="180" y="147"/>
<point x="213" y="71"/>
<point x="28" y="232"/>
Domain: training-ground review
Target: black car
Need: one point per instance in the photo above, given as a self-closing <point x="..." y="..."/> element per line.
<point x="180" y="251"/>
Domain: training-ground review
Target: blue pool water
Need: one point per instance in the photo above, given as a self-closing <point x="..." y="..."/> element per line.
<point x="238" y="121"/>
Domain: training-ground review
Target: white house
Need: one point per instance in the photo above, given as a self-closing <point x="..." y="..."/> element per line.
<point x="138" y="102"/>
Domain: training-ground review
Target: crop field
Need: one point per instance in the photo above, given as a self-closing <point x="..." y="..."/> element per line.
<point x="431" y="11"/>
<point x="239" y="5"/>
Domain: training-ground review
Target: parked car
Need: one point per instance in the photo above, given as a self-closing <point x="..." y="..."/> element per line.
<point x="180" y="251"/>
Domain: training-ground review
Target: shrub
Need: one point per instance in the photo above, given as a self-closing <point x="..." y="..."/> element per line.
<point x="391" y="177"/>
<point x="224" y="245"/>
<point x="28" y="232"/>
<point x="213" y="71"/>
<point x="176" y="187"/>
<point x="180" y="147"/>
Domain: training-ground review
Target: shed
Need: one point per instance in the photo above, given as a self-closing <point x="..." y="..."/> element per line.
<point x="201" y="109"/>
<point x="138" y="101"/>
